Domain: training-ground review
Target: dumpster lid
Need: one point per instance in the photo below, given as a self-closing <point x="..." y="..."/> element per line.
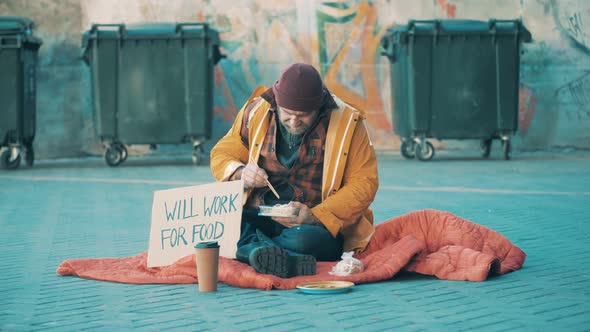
<point x="165" y="28"/>
<point x="11" y="25"/>
<point x="182" y="30"/>
<point x="450" y="25"/>
<point x="160" y="30"/>
<point x="460" y="27"/>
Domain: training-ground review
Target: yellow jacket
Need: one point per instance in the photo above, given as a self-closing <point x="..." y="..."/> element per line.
<point x="350" y="180"/>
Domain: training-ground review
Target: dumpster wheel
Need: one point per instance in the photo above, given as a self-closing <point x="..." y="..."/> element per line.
<point x="29" y="155"/>
<point x="507" y="149"/>
<point x="113" y="156"/>
<point x="5" y="161"/>
<point x="407" y="149"/>
<point x="424" y="154"/>
<point x="121" y="147"/>
<point x="486" y="147"/>
<point x="197" y="154"/>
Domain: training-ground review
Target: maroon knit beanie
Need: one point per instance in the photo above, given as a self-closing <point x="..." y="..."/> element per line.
<point x="299" y="88"/>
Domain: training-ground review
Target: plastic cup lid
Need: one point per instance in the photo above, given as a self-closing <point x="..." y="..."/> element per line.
<point x="209" y="244"/>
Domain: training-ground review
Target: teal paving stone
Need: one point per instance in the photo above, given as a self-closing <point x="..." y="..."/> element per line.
<point x="277" y="321"/>
<point x="572" y="317"/>
<point x="499" y="326"/>
<point x="453" y="308"/>
<point x="259" y="305"/>
<point x="81" y="208"/>
<point x="368" y="313"/>
<point x="377" y="324"/>
<point x="166" y="322"/>
<point x="508" y="295"/>
<point x="443" y="300"/>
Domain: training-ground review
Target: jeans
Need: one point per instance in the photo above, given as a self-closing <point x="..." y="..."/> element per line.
<point x="304" y="239"/>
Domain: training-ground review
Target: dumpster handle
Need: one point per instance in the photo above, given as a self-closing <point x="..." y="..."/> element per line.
<point x="3" y="44"/>
<point x="437" y="27"/>
<point x="493" y="21"/>
<point x="185" y="24"/>
<point x="121" y="27"/>
<point x="412" y="23"/>
<point x="524" y="34"/>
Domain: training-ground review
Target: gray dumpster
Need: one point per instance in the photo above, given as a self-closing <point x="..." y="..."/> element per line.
<point x="151" y="84"/>
<point x="455" y="79"/>
<point x="18" y="68"/>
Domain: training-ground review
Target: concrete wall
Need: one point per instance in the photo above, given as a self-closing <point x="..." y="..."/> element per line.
<point x="341" y="38"/>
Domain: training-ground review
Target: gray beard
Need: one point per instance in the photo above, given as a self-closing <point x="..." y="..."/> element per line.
<point x="293" y="140"/>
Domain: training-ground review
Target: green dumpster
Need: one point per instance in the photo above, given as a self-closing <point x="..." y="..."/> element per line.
<point x="151" y="84"/>
<point x="18" y="68"/>
<point x="454" y="79"/>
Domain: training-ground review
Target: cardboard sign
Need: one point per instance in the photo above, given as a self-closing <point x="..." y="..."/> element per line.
<point x="183" y="217"/>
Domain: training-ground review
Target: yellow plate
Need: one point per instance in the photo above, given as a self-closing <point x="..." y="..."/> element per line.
<point x="325" y="287"/>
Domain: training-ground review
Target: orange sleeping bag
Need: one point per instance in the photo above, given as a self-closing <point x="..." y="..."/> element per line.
<point x="429" y="242"/>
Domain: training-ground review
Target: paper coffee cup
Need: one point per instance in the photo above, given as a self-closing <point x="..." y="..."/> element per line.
<point x="207" y="260"/>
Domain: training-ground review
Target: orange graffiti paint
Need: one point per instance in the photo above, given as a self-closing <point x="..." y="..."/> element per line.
<point x="447" y="7"/>
<point x="371" y="102"/>
<point x="228" y="111"/>
<point x="527" y="104"/>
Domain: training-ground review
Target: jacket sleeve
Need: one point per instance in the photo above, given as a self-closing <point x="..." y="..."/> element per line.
<point x="359" y="186"/>
<point x="230" y="152"/>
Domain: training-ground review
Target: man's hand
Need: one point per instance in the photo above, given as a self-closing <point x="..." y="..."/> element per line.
<point x="305" y="217"/>
<point x="253" y="176"/>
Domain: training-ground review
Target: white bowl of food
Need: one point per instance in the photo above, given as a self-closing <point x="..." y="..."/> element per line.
<point x="279" y="210"/>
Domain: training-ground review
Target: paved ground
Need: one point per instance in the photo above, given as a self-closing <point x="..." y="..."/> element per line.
<point x="82" y="208"/>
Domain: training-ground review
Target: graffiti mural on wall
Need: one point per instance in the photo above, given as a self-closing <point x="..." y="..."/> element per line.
<point x="577" y="91"/>
<point x="349" y="39"/>
<point x="572" y="18"/>
<point x="237" y="44"/>
<point x="341" y="39"/>
<point x="258" y="40"/>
